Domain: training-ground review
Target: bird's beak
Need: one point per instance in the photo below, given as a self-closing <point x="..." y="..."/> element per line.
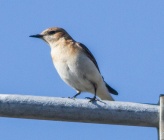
<point x="36" y="36"/>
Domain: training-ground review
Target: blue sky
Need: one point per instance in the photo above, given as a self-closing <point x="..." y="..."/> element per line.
<point x="126" y="37"/>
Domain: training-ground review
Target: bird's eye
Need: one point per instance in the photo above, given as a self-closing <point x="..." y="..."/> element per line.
<point x="51" y="32"/>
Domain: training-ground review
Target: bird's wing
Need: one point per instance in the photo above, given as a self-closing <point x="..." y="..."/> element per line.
<point x="89" y="54"/>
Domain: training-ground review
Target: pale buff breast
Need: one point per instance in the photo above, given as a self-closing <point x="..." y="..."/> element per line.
<point x="64" y="51"/>
<point x="62" y="55"/>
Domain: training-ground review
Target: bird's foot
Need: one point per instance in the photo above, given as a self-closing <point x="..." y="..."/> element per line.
<point x="92" y="99"/>
<point x="74" y="97"/>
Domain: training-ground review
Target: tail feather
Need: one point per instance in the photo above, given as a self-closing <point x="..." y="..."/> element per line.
<point x="103" y="92"/>
<point x="111" y="90"/>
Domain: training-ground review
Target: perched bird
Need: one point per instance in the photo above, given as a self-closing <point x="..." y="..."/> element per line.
<point x="75" y="64"/>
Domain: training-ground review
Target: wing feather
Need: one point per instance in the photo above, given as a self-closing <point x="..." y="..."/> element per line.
<point x="89" y="54"/>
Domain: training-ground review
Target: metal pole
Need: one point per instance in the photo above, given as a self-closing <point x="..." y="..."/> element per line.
<point x="79" y="110"/>
<point x="161" y="118"/>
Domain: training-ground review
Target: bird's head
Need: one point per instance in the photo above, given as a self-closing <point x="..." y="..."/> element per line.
<point x="52" y="35"/>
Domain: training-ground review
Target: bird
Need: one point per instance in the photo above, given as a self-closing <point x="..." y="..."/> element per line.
<point x="75" y="64"/>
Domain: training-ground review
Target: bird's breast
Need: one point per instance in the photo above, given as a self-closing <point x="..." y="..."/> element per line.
<point x="64" y="53"/>
<point x="64" y="57"/>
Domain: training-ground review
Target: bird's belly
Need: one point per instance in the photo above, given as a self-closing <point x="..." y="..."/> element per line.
<point x="74" y="76"/>
<point x="77" y="70"/>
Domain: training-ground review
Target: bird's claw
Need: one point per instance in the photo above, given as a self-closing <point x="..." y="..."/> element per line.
<point x="92" y="99"/>
<point x="72" y="98"/>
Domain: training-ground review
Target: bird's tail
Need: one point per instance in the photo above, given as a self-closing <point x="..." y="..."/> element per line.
<point x="104" y="93"/>
<point x="110" y="89"/>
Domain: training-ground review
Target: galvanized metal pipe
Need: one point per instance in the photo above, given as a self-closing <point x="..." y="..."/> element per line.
<point x="79" y="110"/>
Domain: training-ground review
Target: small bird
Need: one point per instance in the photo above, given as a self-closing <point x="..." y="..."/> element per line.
<point x="75" y="64"/>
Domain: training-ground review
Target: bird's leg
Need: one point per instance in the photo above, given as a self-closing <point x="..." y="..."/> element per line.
<point x="94" y="97"/>
<point x="78" y="93"/>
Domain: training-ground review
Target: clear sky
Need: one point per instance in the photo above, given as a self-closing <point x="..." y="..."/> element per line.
<point x="126" y="37"/>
